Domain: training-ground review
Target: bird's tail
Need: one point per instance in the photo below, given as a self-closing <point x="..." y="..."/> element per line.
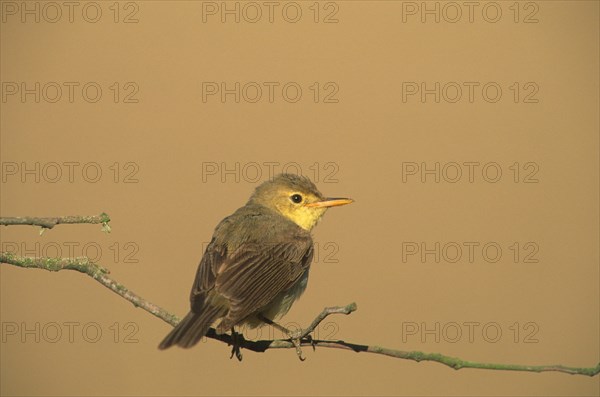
<point x="192" y="328"/>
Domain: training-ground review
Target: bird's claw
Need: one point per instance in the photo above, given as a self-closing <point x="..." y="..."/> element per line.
<point x="296" y="343"/>
<point x="236" y="349"/>
<point x="313" y="343"/>
<point x="296" y="338"/>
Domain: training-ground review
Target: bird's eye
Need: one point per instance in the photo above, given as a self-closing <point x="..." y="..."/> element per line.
<point x="296" y="198"/>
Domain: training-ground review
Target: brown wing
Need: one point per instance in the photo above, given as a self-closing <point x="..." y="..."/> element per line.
<point x="213" y="258"/>
<point x="255" y="275"/>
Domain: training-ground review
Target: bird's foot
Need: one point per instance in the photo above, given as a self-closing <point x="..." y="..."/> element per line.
<point x="297" y="344"/>
<point x="236" y="349"/>
<point x="294" y="336"/>
<point x="313" y="342"/>
<point x="303" y="336"/>
<point x="297" y="337"/>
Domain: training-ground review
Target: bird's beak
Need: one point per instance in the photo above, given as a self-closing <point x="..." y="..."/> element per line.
<point x="330" y="202"/>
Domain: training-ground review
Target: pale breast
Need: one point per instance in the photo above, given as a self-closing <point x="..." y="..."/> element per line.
<point x="282" y="302"/>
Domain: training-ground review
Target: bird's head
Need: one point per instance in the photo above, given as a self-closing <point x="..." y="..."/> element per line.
<point x="296" y="198"/>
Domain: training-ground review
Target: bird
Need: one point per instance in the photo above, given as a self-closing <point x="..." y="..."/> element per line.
<point x="257" y="262"/>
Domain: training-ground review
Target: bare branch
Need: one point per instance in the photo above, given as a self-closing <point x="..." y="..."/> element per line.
<point x="325" y="313"/>
<point x="49" y="223"/>
<point x="99" y="274"/>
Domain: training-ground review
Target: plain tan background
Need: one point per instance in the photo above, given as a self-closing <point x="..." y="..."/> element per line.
<point x="170" y="212"/>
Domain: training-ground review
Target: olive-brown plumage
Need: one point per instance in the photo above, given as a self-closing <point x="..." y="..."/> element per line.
<point x="257" y="262"/>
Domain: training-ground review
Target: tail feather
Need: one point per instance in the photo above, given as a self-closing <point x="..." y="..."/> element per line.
<point x="192" y="328"/>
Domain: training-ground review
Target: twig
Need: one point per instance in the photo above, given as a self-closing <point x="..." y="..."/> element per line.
<point x="49" y="223"/>
<point x="326" y="312"/>
<point x="98" y="273"/>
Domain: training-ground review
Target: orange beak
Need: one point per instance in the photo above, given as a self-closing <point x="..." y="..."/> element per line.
<point x="330" y="202"/>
